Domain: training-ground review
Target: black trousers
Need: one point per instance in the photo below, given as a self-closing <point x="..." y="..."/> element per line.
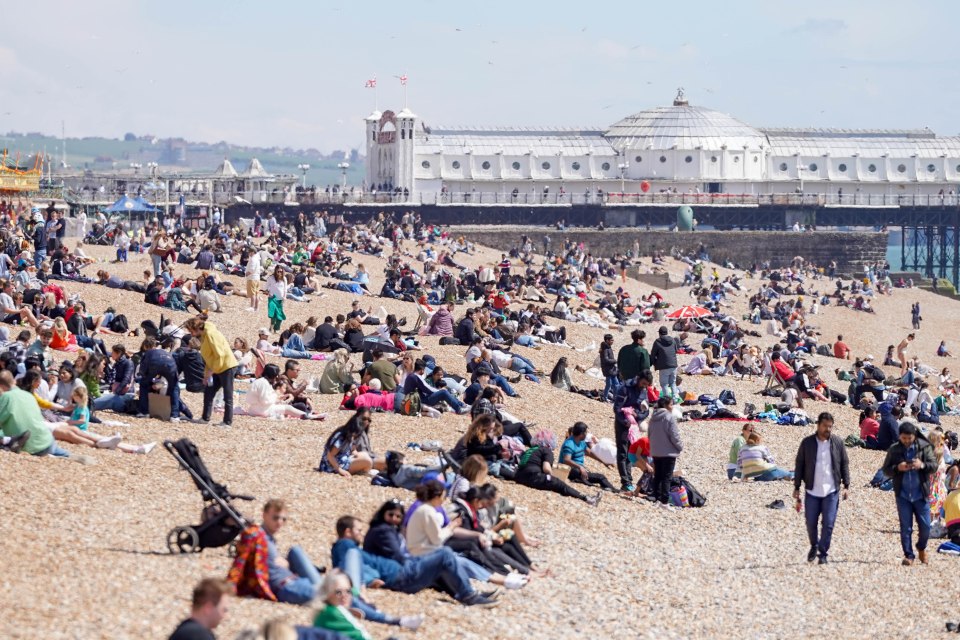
<point x="223" y="381"/>
<point x="592" y="478"/>
<point x="662" y="472"/>
<point x="620" y="436"/>
<point x="539" y="481"/>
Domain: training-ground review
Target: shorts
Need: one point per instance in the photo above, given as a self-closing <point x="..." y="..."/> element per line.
<point x="253" y="288"/>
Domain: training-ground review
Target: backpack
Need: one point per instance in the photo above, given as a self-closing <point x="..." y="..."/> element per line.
<point x="119" y="324"/>
<point x="411" y="404"/>
<point x="727" y="397"/>
<point x="706" y="399"/>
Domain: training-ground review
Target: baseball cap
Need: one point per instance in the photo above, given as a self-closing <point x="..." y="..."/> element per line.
<point x="263" y="331"/>
<point x="435" y="475"/>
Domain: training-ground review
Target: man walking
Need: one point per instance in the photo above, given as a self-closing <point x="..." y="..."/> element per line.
<point x="663" y="356"/>
<point x="910" y="462"/>
<point x="633" y="397"/>
<point x="822" y="465"/>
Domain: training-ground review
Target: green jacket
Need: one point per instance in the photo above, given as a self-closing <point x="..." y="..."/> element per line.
<point x="341" y="621"/>
<point x="631" y="360"/>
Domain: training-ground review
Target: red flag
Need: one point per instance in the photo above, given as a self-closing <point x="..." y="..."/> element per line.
<point x="371" y="83"/>
<point x="403" y="79"/>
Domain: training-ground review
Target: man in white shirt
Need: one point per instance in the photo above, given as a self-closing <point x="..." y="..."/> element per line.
<point x="253" y="272"/>
<point x="822" y="466"/>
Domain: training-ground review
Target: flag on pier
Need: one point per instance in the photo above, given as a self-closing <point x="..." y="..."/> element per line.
<point x="371" y="83"/>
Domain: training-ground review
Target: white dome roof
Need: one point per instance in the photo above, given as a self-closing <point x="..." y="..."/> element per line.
<point x="682" y="126"/>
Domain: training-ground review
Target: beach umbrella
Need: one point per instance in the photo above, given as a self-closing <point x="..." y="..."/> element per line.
<point x="689" y="311"/>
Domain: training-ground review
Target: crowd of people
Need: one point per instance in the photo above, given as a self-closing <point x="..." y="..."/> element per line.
<point x="60" y="377"/>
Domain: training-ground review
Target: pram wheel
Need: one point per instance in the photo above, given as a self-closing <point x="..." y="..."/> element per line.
<point x="183" y="540"/>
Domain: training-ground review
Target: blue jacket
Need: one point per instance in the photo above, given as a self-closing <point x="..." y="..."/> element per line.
<point x="629" y="395"/>
<point x="123" y="376"/>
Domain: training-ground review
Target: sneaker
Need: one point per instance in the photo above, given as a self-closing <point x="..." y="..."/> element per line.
<point x="411" y="622"/>
<point x="515" y="581"/>
<point x="177" y="419"/>
<point x="823" y="560"/>
<point x="199" y="421"/>
<point x="141" y="415"/>
<point x="594" y="500"/>
<point x="667" y="506"/>
<point x="109" y="443"/>
<point x="477" y="600"/>
<point x="226" y="425"/>
<point x="463" y="410"/>
<point x="628" y="488"/>
<point x="491" y="595"/>
<point x="812" y="554"/>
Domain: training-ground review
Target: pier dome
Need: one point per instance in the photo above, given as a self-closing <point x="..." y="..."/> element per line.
<point x="682" y="126"/>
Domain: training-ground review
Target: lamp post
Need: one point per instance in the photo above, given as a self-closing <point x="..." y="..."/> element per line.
<point x="304" y="168"/>
<point x="152" y="168"/>
<point x="343" y="166"/>
<point x="136" y="167"/>
<point x="623" y="166"/>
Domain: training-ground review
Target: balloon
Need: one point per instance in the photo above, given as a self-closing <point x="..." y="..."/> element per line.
<point x="644" y="186"/>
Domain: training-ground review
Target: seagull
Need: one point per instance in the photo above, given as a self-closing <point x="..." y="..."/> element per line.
<point x="582" y="30"/>
<point x="609" y="106"/>
<point x="458" y="29"/>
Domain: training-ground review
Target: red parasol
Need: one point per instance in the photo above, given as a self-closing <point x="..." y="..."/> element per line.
<point x="689" y="311"/>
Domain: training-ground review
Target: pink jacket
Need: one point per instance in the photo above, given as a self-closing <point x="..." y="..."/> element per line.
<point x="441" y="324"/>
<point x="375" y="400"/>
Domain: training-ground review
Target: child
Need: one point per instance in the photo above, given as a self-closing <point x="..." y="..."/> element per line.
<point x="80" y="418"/>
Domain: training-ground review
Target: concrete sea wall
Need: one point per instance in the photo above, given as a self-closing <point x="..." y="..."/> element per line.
<point x="850" y="249"/>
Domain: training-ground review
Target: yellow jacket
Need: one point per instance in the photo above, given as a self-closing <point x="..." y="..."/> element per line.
<point x="215" y="351"/>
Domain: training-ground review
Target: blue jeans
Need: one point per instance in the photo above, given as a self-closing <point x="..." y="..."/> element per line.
<point x="353" y="567"/>
<point x="121" y="255"/>
<point x="39" y="257"/>
<point x="303" y="588"/>
<point x="111" y="402"/>
<point x="668" y="381"/>
<point x="420" y="572"/>
<point x="173" y="388"/>
<point x="610" y="387"/>
<point x="54" y="450"/>
<point x="445" y="396"/>
<point x="501" y="382"/>
<point x="814" y="509"/>
<point x="525" y="341"/>
<point x="776" y="473"/>
<point x="906" y="510"/>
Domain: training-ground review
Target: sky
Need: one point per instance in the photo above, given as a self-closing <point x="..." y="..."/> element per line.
<point x="292" y="74"/>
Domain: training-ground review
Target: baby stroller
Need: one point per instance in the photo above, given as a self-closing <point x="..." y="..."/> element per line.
<point x="221" y="523"/>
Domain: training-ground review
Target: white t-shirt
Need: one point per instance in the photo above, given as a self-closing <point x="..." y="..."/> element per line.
<point x="6" y="302"/>
<point x="823" y="481"/>
<point x="254" y="267"/>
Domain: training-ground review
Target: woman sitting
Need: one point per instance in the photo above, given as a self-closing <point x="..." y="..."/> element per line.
<point x="560" y="378"/>
<point x="337" y="615"/>
<point x="263" y="400"/>
<point x="942" y="350"/>
<point x="338" y="373"/>
<point x="754" y="462"/>
<point x="486" y="404"/>
<point x="869" y="427"/>
<point x="353" y="336"/>
<point x="347" y="450"/>
<point x="500" y="514"/>
<point x="428" y="528"/>
<point x="62" y="339"/>
<point x="498" y="550"/>
<point x="536" y="469"/>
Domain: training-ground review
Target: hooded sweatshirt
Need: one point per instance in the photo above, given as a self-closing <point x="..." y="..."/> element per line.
<point x="664" y="435"/>
<point x="664" y="353"/>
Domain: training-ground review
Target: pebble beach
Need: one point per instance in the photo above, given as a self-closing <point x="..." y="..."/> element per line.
<point x="86" y="553"/>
